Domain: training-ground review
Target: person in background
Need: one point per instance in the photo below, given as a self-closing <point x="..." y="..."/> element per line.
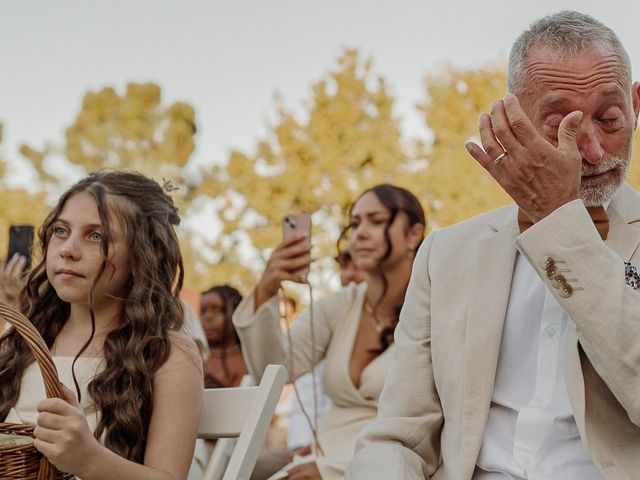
<point x="349" y="272"/>
<point x="518" y="347"/>
<point x="12" y="282"/>
<point x="224" y="366"/>
<point x="353" y="328"/>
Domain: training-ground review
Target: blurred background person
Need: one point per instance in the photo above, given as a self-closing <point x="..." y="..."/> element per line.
<point x="11" y="282"/>
<point x="224" y="366"/>
<point x="12" y="279"/>
<point x="348" y="270"/>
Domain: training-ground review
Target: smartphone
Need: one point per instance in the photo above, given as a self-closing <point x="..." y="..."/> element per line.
<point x="21" y="242"/>
<point x="294" y="225"/>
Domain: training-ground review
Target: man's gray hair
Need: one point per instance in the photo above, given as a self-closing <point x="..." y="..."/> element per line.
<point x="566" y="32"/>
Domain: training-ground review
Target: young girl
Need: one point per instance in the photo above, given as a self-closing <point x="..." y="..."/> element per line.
<point x="105" y="300"/>
<point x="353" y="328"/>
<point x="224" y="367"/>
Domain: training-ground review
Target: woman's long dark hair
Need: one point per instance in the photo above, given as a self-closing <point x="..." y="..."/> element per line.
<point x="140" y="344"/>
<point x="395" y="199"/>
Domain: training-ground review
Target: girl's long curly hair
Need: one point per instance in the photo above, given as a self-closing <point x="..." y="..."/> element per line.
<point x="139" y="345"/>
<point x="396" y="200"/>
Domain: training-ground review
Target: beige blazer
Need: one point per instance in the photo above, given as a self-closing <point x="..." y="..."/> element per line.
<point x="434" y="406"/>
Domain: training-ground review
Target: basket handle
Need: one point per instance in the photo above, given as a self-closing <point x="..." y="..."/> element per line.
<point x="36" y="344"/>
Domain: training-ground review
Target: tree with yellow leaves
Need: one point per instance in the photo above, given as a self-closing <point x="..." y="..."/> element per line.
<point x="131" y="131"/>
<point x="17" y="205"/>
<point x="349" y="140"/>
<point x="460" y="188"/>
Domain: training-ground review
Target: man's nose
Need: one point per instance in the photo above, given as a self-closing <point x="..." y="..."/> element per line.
<point x="589" y="143"/>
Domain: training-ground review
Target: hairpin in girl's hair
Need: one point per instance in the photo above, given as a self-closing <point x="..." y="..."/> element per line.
<point x="168" y="186"/>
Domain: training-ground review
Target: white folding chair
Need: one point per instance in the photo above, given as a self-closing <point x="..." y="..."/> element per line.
<point x="239" y="415"/>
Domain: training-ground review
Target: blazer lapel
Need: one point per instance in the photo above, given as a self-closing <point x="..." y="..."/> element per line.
<point x="491" y="283"/>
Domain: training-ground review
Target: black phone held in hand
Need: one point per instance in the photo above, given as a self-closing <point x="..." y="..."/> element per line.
<point x="21" y="242"/>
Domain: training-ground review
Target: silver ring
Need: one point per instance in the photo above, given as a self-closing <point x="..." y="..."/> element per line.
<point x="500" y="157"/>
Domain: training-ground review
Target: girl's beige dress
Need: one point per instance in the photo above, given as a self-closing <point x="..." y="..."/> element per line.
<point x="32" y="388"/>
<point x="335" y="320"/>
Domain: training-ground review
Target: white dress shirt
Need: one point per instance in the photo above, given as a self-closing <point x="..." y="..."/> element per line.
<point x="531" y="432"/>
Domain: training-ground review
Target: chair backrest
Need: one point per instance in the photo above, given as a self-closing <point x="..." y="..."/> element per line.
<point x="243" y="413"/>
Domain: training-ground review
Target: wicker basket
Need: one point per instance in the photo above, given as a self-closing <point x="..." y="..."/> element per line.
<point x="19" y="459"/>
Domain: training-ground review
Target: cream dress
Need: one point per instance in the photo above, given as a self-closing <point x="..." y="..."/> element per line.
<point x="336" y="320"/>
<point x="184" y="352"/>
<point x="32" y="388"/>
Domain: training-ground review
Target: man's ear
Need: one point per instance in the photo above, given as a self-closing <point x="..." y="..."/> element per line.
<point x="635" y="99"/>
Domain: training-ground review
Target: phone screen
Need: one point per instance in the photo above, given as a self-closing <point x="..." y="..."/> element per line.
<point x="21" y="242"/>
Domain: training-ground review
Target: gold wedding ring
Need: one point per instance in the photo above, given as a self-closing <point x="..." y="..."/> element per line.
<point x="500" y="157"/>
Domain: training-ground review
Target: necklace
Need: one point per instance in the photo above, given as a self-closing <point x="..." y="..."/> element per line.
<point x="380" y="326"/>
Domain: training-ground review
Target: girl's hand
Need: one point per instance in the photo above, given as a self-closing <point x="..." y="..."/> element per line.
<point x="304" y="471"/>
<point x="290" y="256"/>
<point x="62" y="434"/>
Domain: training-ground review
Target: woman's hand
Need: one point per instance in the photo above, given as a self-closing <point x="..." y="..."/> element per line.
<point x="11" y="279"/>
<point x="286" y="260"/>
<point x="304" y="471"/>
<point x="63" y="435"/>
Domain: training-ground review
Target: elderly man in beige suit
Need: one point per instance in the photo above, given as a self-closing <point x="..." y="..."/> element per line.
<point x="518" y="348"/>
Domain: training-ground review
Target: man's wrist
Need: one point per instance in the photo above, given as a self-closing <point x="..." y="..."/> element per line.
<point x="543" y="213"/>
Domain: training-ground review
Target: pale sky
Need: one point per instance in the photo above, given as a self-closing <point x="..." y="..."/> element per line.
<point x="227" y="58"/>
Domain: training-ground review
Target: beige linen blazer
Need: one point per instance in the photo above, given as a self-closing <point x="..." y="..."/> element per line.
<point x="434" y="406"/>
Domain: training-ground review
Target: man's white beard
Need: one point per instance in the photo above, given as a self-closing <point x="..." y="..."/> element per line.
<point x="596" y="195"/>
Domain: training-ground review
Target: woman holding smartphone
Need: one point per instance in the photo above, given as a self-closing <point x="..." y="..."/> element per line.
<point x="353" y="328"/>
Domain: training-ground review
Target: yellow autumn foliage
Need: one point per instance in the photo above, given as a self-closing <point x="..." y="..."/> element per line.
<point x="460" y="188"/>
<point x="347" y="139"/>
<point x="319" y="163"/>
<point x="132" y="131"/>
<point x="17" y="206"/>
